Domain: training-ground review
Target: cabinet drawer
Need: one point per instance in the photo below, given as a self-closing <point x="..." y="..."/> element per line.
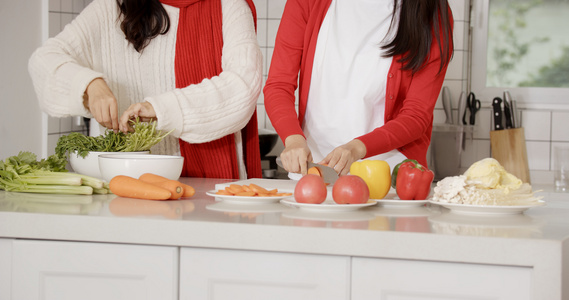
<point x="250" y="275"/>
<point x="75" y="270"/>
<point x="390" y="279"/>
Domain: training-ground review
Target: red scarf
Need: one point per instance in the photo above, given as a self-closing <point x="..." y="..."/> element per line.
<point x="199" y="43"/>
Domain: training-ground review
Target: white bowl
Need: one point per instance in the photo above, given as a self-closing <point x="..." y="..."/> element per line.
<point x="169" y="166"/>
<point x="89" y="165"/>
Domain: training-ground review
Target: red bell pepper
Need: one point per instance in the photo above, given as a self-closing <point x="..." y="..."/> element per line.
<point x="412" y="180"/>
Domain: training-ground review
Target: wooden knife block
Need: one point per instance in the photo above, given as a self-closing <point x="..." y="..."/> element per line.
<point x="509" y="149"/>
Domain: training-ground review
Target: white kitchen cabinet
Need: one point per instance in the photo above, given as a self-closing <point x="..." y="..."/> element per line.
<point x="215" y="274"/>
<point x="5" y="268"/>
<point x="390" y="279"/>
<point x="75" y="270"/>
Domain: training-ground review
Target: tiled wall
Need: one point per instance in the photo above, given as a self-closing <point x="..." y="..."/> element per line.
<point x="62" y="12"/>
<point x="544" y="128"/>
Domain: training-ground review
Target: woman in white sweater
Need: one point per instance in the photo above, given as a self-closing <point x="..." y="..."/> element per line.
<point x="193" y="65"/>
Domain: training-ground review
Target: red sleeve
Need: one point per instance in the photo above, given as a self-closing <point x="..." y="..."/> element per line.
<point x="281" y="84"/>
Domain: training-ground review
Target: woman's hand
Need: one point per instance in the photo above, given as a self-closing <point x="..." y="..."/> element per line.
<point x="342" y="157"/>
<point x="102" y="104"/>
<point x="143" y="111"/>
<point x="296" y="154"/>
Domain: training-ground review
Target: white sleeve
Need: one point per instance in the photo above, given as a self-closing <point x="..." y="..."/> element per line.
<point x="61" y="68"/>
<point x="223" y="104"/>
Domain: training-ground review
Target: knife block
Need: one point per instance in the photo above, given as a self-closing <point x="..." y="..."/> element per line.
<point x="509" y="149"/>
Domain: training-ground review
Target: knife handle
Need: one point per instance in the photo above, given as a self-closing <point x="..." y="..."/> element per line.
<point x="497" y="108"/>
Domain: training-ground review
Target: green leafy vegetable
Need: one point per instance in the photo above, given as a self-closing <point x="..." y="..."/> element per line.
<point x="142" y="138"/>
<point x="24" y="173"/>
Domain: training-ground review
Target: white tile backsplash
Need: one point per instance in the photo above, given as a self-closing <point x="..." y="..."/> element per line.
<point x="460" y="9"/>
<point x="560" y="126"/>
<point x="538" y="155"/>
<point x="67" y="6"/>
<point x="275" y="8"/>
<point x="537" y="125"/>
<point x="456" y="66"/>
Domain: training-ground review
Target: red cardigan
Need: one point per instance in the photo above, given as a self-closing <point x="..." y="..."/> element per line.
<point x="410" y="99"/>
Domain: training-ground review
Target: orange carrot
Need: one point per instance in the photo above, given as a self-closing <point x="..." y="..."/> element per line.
<point x="258" y="189"/>
<point x="151" y="178"/>
<point x="126" y="186"/>
<point x="189" y="191"/>
<point x="174" y="186"/>
<point x="315" y="171"/>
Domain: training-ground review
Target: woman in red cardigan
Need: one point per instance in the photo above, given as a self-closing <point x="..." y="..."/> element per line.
<point x="369" y="74"/>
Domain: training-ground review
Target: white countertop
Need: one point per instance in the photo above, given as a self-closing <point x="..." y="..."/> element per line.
<point x="539" y="236"/>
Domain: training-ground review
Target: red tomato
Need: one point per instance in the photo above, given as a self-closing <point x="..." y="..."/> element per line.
<point x="310" y="189"/>
<point x="350" y="189"/>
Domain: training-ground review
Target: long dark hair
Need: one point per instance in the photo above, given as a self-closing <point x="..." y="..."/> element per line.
<point x="419" y="20"/>
<point x="142" y="20"/>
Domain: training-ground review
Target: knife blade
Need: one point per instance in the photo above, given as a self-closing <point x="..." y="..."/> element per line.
<point x="447" y="105"/>
<point x="328" y="174"/>
<point x="512" y="108"/>
<point x="507" y="114"/>
<point x="461" y="109"/>
<point x="515" y="117"/>
<point x="497" y="110"/>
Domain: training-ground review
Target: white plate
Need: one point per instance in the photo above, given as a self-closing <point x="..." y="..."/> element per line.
<point x="487" y="209"/>
<point x="251" y="208"/>
<point x="326" y="206"/>
<point x="401" y="203"/>
<point x="243" y="199"/>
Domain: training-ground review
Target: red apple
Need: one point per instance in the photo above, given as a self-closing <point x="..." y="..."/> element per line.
<point x="310" y="189"/>
<point x="350" y="189"/>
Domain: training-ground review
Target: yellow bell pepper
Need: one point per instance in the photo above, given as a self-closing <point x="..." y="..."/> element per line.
<point x="376" y="174"/>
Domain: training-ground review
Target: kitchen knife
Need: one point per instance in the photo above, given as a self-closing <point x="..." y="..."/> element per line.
<point x="515" y="117"/>
<point x="328" y="174"/>
<point x="461" y="109"/>
<point x="497" y="110"/>
<point x="510" y="101"/>
<point x="507" y="114"/>
<point x="447" y="105"/>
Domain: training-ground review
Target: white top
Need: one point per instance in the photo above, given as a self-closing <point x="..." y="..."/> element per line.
<point x="347" y="89"/>
<point x="94" y="46"/>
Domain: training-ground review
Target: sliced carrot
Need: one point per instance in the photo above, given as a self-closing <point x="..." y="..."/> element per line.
<point x="246" y="188"/>
<point x="174" y="186"/>
<point x="126" y="186"/>
<point x="258" y="189"/>
<point x="315" y="171"/>
<point x="223" y="192"/>
<point x="151" y="177"/>
<point x="235" y="188"/>
<point x="247" y="194"/>
<point x="273" y="191"/>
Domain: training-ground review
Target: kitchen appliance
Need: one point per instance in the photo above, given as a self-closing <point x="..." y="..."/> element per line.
<point x="267" y="141"/>
<point x="447" y="149"/>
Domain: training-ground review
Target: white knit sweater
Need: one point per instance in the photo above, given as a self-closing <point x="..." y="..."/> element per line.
<point x="93" y="46"/>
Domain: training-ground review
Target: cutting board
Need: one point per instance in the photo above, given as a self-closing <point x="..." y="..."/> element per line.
<point x="283" y="185"/>
<point x="509" y="149"/>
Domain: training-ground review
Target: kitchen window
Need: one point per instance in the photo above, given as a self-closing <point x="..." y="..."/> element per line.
<point x="521" y="46"/>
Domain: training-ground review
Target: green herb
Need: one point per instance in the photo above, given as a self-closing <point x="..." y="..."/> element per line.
<point x="23" y="173"/>
<point x="142" y="138"/>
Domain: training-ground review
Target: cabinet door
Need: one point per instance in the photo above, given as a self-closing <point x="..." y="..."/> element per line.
<point x="389" y="279"/>
<point x="74" y="270"/>
<point x="250" y="275"/>
<point x="5" y="268"/>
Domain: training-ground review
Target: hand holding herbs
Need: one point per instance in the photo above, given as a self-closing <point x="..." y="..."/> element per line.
<point x="24" y="173"/>
<point x="142" y="138"/>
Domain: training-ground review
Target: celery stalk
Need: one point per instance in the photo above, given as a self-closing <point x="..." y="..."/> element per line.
<point x="54" y="189"/>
